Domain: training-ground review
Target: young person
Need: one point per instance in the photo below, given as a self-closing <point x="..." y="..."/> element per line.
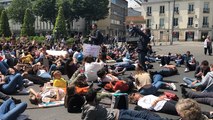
<point x="93" y="111"/>
<point x="151" y="102"/>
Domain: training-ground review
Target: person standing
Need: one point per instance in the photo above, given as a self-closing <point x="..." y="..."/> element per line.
<point x="142" y="44"/>
<point x="96" y="36"/>
<point x="208" y="45"/>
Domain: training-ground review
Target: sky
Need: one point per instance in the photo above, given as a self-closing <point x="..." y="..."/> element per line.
<point x="132" y="3"/>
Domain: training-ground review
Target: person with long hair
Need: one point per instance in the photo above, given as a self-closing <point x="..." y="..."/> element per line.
<point x="147" y="84"/>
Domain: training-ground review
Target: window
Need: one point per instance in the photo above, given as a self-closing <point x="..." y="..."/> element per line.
<point x="191" y="8"/>
<point x="175" y="22"/>
<point x="206" y="7"/>
<point x="162" y="9"/>
<point x="161" y="22"/>
<point x="205" y="22"/>
<point x="148" y="23"/>
<point x="176" y="9"/>
<point x="190" y="21"/>
<point x="149" y="11"/>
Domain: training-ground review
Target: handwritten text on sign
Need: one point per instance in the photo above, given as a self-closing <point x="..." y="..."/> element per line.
<point x="92" y="50"/>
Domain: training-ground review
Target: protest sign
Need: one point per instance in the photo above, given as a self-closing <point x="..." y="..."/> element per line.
<point x="92" y="50"/>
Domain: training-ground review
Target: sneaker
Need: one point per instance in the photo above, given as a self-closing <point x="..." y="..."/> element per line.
<point x="161" y="65"/>
<point x="183" y="85"/>
<point x="186" y="70"/>
<point x="27" y="84"/>
<point x="24" y="91"/>
<point x="172" y="85"/>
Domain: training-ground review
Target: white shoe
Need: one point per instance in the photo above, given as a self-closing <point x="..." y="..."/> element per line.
<point x="186" y="70"/>
<point x="30" y="83"/>
<point x="172" y="85"/>
<point x="24" y="91"/>
<point x="161" y="65"/>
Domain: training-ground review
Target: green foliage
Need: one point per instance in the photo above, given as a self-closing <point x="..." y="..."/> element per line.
<point x="70" y="41"/>
<point x="4" y="25"/>
<point x="46" y="9"/>
<point x="17" y="8"/>
<point x="92" y="9"/>
<point x="60" y="24"/>
<point x="39" y="39"/>
<point x="28" y="28"/>
<point x="1" y="9"/>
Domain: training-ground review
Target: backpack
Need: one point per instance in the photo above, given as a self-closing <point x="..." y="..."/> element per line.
<point x="74" y="103"/>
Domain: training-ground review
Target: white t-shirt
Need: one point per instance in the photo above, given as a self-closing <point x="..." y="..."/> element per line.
<point x="91" y="70"/>
<point x="146" y="102"/>
<point x="107" y="79"/>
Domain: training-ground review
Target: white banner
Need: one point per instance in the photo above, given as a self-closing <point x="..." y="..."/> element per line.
<point x="56" y="53"/>
<point x="92" y="50"/>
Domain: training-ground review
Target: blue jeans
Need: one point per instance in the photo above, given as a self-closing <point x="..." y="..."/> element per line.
<point x="3" y="68"/>
<point x="189" y="81"/>
<point x="52" y="68"/>
<point x="13" y="83"/>
<point x="157" y="83"/>
<point x="9" y="111"/>
<point x="138" y="115"/>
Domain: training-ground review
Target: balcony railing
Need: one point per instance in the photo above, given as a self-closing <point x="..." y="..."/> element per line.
<point x="176" y="12"/>
<point x="190" y="26"/>
<point x="148" y="14"/>
<point x="205" y="25"/>
<point x="206" y="10"/>
<point x="162" y="13"/>
<point x="191" y="11"/>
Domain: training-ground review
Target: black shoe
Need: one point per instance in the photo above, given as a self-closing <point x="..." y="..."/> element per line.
<point x="184" y="92"/>
<point x="16" y="101"/>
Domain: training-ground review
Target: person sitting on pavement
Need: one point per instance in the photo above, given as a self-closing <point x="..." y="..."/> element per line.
<point x="206" y="84"/>
<point x="58" y="80"/>
<point x="93" y="111"/>
<point x="147" y="85"/>
<point x="200" y="73"/>
<point x="190" y="62"/>
<point x="150" y="102"/>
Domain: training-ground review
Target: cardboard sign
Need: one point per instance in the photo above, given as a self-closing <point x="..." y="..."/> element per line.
<point x="56" y="53"/>
<point x="92" y="50"/>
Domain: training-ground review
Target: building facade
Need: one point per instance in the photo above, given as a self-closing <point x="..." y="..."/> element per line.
<point x="114" y="24"/>
<point x="193" y="19"/>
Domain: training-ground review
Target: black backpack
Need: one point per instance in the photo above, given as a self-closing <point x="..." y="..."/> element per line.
<point x="74" y="103"/>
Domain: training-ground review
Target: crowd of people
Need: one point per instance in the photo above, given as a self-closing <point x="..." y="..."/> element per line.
<point x="90" y="79"/>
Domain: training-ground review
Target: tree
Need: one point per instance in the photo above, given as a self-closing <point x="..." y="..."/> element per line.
<point x="46" y="9"/>
<point x="91" y="10"/>
<point x="4" y="25"/>
<point x="16" y="10"/>
<point x="28" y="25"/>
<point x="60" y="24"/>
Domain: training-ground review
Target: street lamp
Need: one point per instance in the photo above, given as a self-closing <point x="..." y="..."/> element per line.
<point x="173" y="15"/>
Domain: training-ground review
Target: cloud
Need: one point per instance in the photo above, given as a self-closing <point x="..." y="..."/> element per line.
<point x="133" y="4"/>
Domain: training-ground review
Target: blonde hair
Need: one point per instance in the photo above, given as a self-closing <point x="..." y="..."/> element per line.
<point x="189" y="109"/>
